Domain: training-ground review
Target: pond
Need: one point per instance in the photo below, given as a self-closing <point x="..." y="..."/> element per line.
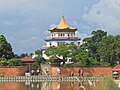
<point x="46" y="85"/>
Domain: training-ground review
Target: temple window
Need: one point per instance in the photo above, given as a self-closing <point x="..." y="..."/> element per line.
<point x="50" y="44"/>
<point x="68" y="35"/>
<point x="58" y="34"/>
<point x="52" y="35"/>
<point x="78" y="43"/>
<point x="58" y="43"/>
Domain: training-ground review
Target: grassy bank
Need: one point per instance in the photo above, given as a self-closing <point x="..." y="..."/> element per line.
<point x="107" y="84"/>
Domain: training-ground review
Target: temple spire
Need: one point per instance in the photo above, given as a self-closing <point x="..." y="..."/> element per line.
<point x="62" y="25"/>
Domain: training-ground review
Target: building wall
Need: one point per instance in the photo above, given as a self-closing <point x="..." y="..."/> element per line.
<point x="95" y="71"/>
<point x="57" y="34"/>
<point x="53" y="70"/>
<point x="13" y="71"/>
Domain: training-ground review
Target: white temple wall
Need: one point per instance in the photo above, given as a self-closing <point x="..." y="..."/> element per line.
<point x="65" y="34"/>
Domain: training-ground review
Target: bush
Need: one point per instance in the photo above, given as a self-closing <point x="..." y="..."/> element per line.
<point x="107" y="84"/>
<point x="3" y="62"/>
<point x="35" y="66"/>
<point x="14" y="62"/>
<point x="74" y="64"/>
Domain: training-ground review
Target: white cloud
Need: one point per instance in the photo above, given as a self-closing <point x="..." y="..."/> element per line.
<point x="105" y="15"/>
<point x="81" y="35"/>
<point x="75" y="23"/>
<point x="52" y="25"/>
<point x="23" y="19"/>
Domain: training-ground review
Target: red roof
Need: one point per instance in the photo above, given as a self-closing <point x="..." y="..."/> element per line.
<point x="26" y="59"/>
<point x="116" y="68"/>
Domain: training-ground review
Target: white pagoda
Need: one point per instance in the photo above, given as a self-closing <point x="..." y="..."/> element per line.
<point x="62" y="33"/>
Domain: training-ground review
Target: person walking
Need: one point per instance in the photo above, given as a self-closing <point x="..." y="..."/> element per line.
<point x="79" y="72"/>
<point x="82" y="72"/>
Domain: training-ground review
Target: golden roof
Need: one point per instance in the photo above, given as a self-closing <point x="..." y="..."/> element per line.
<point x="62" y="25"/>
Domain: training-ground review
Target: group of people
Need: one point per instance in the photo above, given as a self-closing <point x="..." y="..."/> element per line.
<point x="37" y="72"/>
<point x="40" y="72"/>
<point x="80" y="72"/>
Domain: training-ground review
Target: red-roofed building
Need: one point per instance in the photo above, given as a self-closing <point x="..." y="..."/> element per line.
<point x="116" y="72"/>
<point x="116" y="68"/>
<point x="27" y="61"/>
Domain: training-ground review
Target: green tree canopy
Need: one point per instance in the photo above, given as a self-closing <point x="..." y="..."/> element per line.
<point x="39" y="59"/>
<point x="62" y="50"/>
<point x="5" y="48"/>
<point x="103" y="48"/>
<point x="98" y="50"/>
<point x="14" y="62"/>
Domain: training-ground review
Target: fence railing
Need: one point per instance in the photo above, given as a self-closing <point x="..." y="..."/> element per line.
<point x="48" y="78"/>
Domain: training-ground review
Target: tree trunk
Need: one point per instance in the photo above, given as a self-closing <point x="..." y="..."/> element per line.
<point x="64" y="60"/>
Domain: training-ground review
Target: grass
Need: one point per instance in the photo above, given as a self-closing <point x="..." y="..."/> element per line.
<point x="107" y="84"/>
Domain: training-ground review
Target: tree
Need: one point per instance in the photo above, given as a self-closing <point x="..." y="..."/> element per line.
<point x="5" y="48"/>
<point x="14" y="62"/>
<point x="98" y="35"/>
<point x="39" y="59"/>
<point x="3" y="62"/>
<point x="102" y="48"/>
<point x="35" y="65"/>
<point x="61" y="51"/>
<point x="92" y="43"/>
<point x="109" y="49"/>
<point x="23" y="55"/>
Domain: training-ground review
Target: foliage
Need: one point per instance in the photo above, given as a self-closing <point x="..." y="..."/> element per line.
<point x="55" y="60"/>
<point x="5" y="48"/>
<point x="39" y="59"/>
<point x="109" y="49"/>
<point x="51" y="51"/>
<point x="35" y="65"/>
<point x="3" y="62"/>
<point x="62" y="50"/>
<point x="14" y="62"/>
<point x="38" y="52"/>
<point x="102" y="48"/>
<point x="23" y="55"/>
<point x="107" y="84"/>
<point x="98" y="50"/>
<point x="11" y="62"/>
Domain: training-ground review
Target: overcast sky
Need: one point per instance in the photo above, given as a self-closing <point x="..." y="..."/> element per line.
<point x="25" y="23"/>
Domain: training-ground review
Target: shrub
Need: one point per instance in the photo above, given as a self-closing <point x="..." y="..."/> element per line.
<point x="3" y="62"/>
<point x="14" y="62"/>
<point x="107" y="84"/>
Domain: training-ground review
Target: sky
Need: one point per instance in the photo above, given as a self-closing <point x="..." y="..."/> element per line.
<point x="25" y="23"/>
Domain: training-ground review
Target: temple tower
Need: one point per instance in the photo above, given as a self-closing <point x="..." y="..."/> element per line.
<point x="62" y="33"/>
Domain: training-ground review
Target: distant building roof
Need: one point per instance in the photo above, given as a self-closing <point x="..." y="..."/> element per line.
<point x="116" y="68"/>
<point x="26" y="59"/>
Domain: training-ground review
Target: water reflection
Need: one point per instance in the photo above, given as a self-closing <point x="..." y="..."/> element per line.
<point x="46" y="85"/>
